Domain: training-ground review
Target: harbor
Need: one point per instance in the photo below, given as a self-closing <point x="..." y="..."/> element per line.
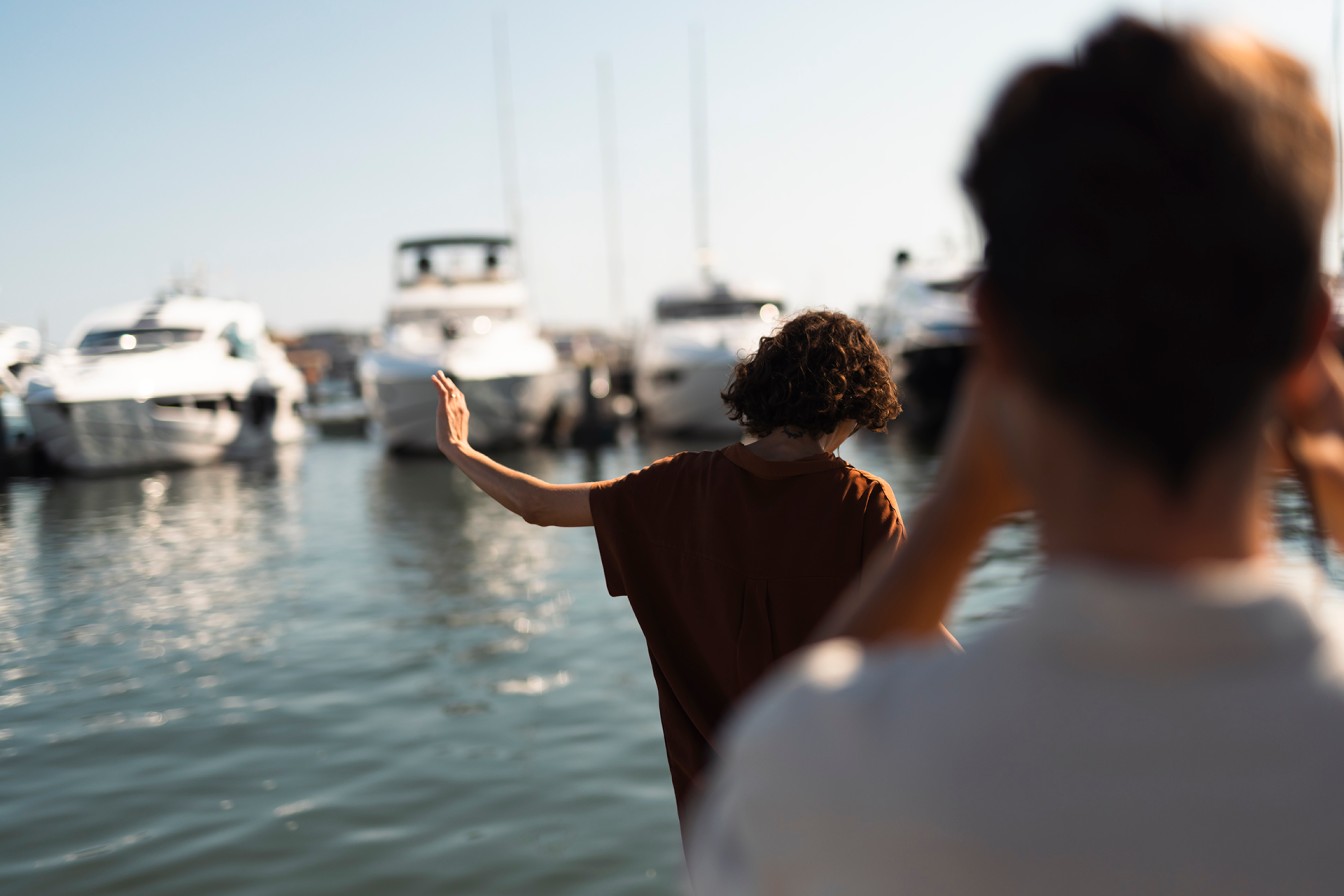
<point x="237" y="652"/>
<point x="308" y="316"/>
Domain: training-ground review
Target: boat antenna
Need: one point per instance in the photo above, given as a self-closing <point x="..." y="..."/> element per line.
<point x="508" y="146"/>
<point x="611" y="187"/>
<point x="699" y="154"/>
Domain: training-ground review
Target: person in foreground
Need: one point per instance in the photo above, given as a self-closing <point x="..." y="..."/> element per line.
<point x="1166" y="713"/>
<point x="730" y="557"/>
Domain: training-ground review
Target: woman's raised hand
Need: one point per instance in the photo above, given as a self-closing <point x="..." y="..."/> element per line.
<point x="450" y="424"/>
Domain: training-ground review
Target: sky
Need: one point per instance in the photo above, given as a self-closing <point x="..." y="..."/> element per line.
<point x="282" y="148"/>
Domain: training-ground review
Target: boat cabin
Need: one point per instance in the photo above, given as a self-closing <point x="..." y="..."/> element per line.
<point x="717" y="304"/>
<point x="450" y="260"/>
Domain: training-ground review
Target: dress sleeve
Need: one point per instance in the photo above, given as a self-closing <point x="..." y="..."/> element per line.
<point x="883" y="528"/>
<point x="623" y="511"/>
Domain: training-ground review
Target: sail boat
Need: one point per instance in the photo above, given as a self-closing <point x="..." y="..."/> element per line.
<point x="685" y="356"/>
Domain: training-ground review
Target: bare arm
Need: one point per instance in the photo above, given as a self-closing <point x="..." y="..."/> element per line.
<point x="536" y="501"/>
<point x="1314" y="437"/>
<point x="909" y="592"/>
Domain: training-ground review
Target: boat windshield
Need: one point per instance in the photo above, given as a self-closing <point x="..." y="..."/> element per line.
<point x="433" y="315"/>
<point x="103" y="342"/>
<point x="687" y="309"/>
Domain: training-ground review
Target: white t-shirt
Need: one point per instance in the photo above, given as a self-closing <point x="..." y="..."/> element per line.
<point x="1125" y="734"/>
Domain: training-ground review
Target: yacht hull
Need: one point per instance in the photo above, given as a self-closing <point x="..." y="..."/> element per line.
<point x="460" y="308"/>
<point x="517" y="409"/>
<point x="930" y="375"/>
<point x="125" y="435"/>
<point x="685" y="399"/>
<point x="681" y="368"/>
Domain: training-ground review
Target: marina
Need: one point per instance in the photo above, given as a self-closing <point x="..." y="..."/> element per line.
<point x="259" y="636"/>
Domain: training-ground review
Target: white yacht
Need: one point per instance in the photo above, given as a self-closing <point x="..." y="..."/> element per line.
<point x="925" y="324"/>
<point x="184" y="379"/>
<point x="684" y="358"/>
<point x="20" y="349"/>
<point x="460" y="308"/>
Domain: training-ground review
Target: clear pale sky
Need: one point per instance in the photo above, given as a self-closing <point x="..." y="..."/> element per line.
<point x="286" y="146"/>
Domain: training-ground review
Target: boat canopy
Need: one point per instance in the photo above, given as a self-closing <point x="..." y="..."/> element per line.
<point x="168" y="320"/>
<point x="453" y="259"/>
<point x="720" y="302"/>
<point x="426" y="242"/>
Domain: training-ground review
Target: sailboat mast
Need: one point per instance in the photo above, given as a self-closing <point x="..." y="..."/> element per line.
<point x="508" y="147"/>
<point x="611" y="184"/>
<point x="700" y="155"/>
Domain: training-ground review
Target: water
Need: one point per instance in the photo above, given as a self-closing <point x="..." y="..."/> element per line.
<point x="339" y="673"/>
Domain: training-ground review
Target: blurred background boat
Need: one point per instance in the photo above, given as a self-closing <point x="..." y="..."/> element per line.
<point x="925" y="324"/>
<point x="329" y="360"/>
<point x="20" y="351"/>
<point x="459" y="307"/>
<point x="337" y="410"/>
<point x="685" y="356"/>
<point x="184" y="379"/>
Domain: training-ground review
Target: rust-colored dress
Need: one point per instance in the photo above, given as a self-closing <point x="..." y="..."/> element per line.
<point x="729" y="562"/>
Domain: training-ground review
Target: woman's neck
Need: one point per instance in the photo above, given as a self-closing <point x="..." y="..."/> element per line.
<point x="780" y="446"/>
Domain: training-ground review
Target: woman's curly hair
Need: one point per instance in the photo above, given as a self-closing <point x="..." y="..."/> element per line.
<point x="817" y="370"/>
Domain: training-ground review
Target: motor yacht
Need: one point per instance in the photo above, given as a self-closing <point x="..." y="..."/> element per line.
<point x="459" y="307"/>
<point x="925" y="324"/>
<point x="181" y="380"/>
<point x="684" y="358"/>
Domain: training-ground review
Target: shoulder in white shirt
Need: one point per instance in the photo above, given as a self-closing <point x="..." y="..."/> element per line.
<point x="1125" y="733"/>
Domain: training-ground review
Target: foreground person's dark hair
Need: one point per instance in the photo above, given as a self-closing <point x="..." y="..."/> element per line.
<point x="819" y="369"/>
<point x="1154" y="214"/>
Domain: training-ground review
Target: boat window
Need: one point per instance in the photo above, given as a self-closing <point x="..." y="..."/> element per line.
<point x="239" y="347"/>
<point x="447" y="263"/>
<point x="139" y="339"/>
<point x="461" y="319"/>
<point x="955" y="285"/>
<point x="209" y="403"/>
<point x="687" y="309"/>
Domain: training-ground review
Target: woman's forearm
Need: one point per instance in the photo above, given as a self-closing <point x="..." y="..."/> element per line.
<point x="536" y="501"/>
<point x="1314" y="435"/>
